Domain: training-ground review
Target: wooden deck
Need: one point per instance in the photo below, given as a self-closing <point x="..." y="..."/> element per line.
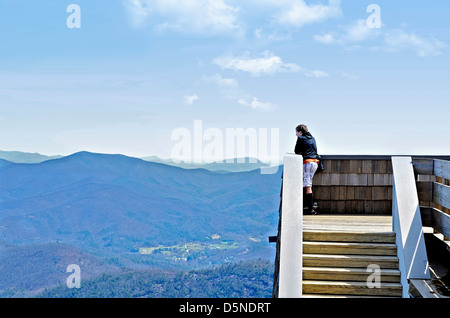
<point x="354" y="227"/>
<point x="376" y="224"/>
<point x="338" y="250"/>
<point x="348" y="223"/>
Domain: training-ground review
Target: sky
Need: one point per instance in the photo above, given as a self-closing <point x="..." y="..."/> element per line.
<point x="133" y="76"/>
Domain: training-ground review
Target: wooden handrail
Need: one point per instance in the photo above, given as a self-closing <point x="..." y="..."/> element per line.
<point x="434" y="192"/>
<point x="441" y="168"/>
<point x="407" y="223"/>
<point x="441" y="194"/>
<point x="436" y="219"/>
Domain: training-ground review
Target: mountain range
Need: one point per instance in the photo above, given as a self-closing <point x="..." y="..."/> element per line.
<point x="25" y="157"/>
<point x="224" y="166"/>
<point x="128" y="212"/>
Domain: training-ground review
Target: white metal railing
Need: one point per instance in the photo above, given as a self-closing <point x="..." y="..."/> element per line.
<point x="407" y="224"/>
<point x="291" y="241"/>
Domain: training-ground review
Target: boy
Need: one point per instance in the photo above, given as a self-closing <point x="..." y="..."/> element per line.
<point x="307" y="147"/>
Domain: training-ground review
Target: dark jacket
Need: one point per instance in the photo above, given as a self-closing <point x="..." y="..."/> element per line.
<point x="306" y="146"/>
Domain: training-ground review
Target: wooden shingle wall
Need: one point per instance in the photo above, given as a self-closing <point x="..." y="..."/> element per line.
<point x="354" y="185"/>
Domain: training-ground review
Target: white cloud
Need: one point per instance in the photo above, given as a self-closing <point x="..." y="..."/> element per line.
<point x="360" y="31"/>
<point x="139" y="11"/>
<point x="356" y="32"/>
<point x="326" y="38"/>
<point x="200" y="16"/>
<point x="396" y="40"/>
<point x="297" y="13"/>
<point x="268" y="36"/>
<point x="256" y="104"/>
<point x="231" y="17"/>
<point x="349" y="75"/>
<point x="229" y="83"/>
<point x="388" y="40"/>
<point x="316" y="74"/>
<point x="229" y="87"/>
<point x="268" y="63"/>
<point x="190" y="99"/>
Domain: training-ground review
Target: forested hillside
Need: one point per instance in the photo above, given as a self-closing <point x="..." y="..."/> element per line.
<point x="110" y="213"/>
<point x="235" y="280"/>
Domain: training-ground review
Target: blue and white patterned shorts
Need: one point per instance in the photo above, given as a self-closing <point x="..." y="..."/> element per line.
<point x="309" y="169"/>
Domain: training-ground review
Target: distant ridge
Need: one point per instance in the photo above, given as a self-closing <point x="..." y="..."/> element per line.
<point x="4" y="163"/>
<point x="223" y="166"/>
<point x="25" y="157"/>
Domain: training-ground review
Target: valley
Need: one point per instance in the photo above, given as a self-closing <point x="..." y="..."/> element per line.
<point x="121" y="213"/>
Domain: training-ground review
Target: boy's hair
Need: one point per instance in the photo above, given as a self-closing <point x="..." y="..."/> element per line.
<point x="303" y="128"/>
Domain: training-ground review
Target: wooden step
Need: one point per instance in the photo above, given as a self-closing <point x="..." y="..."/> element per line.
<point x="361" y="261"/>
<point x="351" y="288"/>
<point x="349" y="248"/>
<point x="349" y="274"/>
<point x="347" y="236"/>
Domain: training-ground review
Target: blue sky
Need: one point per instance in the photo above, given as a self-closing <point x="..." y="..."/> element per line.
<point x="138" y="69"/>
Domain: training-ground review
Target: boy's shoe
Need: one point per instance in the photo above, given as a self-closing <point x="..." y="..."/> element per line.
<point x="314" y="208"/>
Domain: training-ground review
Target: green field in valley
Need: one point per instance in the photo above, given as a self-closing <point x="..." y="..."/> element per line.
<point x="188" y="251"/>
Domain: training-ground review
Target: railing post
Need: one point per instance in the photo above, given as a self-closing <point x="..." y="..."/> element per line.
<point x="407" y="223"/>
<point x="291" y="241"/>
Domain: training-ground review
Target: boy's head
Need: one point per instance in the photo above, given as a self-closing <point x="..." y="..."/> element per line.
<point x="303" y="129"/>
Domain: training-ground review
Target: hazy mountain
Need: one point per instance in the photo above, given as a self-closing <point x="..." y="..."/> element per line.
<point x="25" y="157"/>
<point x="237" y="165"/>
<point x="4" y="162"/>
<point x="113" y="205"/>
<point x="224" y="166"/>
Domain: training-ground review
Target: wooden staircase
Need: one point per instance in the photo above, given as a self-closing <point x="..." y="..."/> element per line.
<point x="335" y="264"/>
